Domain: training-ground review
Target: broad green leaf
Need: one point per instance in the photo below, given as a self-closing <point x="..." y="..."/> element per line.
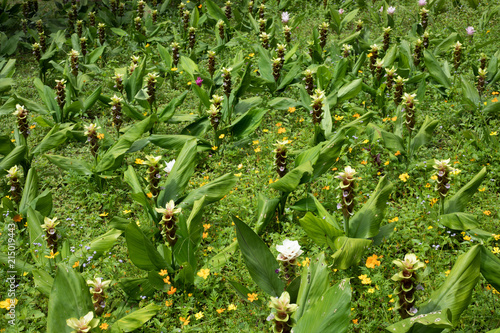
<point x="349" y="90"/>
<point x="389" y="140"/>
<point x="215" y="12"/>
<point x="490" y="266"/>
<point x="349" y="251"/>
<point x="293" y="178"/>
<point x="90" y="101"/>
<point x="329" y="314"/>
<point x="112" y="158"/>
<point x="43" y="281"/>
<point x="435" y="70"/>
<point x="69" y="298"/>
<point x="20" y="266"/>
<point x="469" y="93"/>
<point x="99" y="245"/>
<point x="142" y="252"/>
<point x="133" y="83"/>
<point x="36" y="235"/>
<point x="266" y="209"/>
<point x="168" y="111"/>
<point x="265" y="65"/>
<point x="30" y="191"/>
<point x="213" y="191"/>
<point x="165" y="57"/>
<point x="259" y="260"/>
<point x="135" y="288"/>
<point x="70" y="164"/>
<point x="189" y="66"/>
<point x="456" y="292"/>
<point x="424" y="135"/>
<point x="136" y="319"/>
<point x="247" y="123"/>
<point x="189" y="235"/>
<point x="292" y="74"/>
<point x="366" y="222"/>
<point x="283" y="103"/>
<point x="178" y="178"/>
<point x="439" y="320"/>
<point x="314" y="282"/>
<point x="219" y="260"/>
<point x="323" y="213"/>
<point x="202" y="95"/>
<point x="318" y="229"/>
<point x="96" y="54"/>
<point x="459" y="221"/>
<point x="459" y="201"/>
<point x="14" y="157"/>
<point x="53" y="139"/>
<point x="243" y="292"/>
<point x="176" y="142"/>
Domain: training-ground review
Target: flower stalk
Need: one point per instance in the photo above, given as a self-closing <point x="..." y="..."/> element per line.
<point x="308" y="78"/>
<point x="98" y="296"/>
<point x="168" y="223"/>
<point x="101" y="32"/>
<point x="61" y="93"/>
<point x="347" y="185"/>
<point x="116" y="111"/>
<point x="407" y="280"/>
<point x="21" y="114"/>
<point x="226" y="83"/>
<point x="419" y="51"/>
<point x="211" y="63"/>
<point x="387" y="38"/>
<point x="153" y="174"/>
<point x="13" y="175"/>
<point x="92" y="138"/>
<point x="50" y="232"/>
<point x="323" y="34"/>
<point x="227" y="10"/>
<point x="282" y="312"/>
<point x="457" y="54"/>
<point x="280" y="158"/>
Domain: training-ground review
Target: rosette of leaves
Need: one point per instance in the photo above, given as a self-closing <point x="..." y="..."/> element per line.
<point x="407" y="280"/>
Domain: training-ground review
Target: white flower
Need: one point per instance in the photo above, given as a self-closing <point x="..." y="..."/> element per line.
<point x="13" y="172"/>
<point x="169" y="166"/>
<point x="422" y="3"/>
<point x="91" y="129"/>
<point x="169" y="209"/>
<point x="282" y="304"/>
<point x="381" y="9"/>
<point x="391" y="10"/>
<point x="470" y="31"/>
<point x="285" y="17"/>
<point x="289" y="251"/>
<point x="341" y="11"/>
<point x="84" y="324"/>
<point x="98" y="285"/>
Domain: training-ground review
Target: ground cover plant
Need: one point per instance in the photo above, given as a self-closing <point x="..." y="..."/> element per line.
<point x="305" y="166"/>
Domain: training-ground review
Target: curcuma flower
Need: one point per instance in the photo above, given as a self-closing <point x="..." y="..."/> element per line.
<point x="97" y="291"/>
<point x="153" y="174"/>
<point x="169" y="166"/>
<point x="50" y="232"/>
<point x="91" y="133"/>
<point x="22" y="120"/>
<point x="317" y="106"/>
<point x="470" y="30"/>
<point x="84" y="324"/>
<point x="443" y="171"/>
<point x="289" y="251"/>
<point x="410" y="101"/>
<point x="285" y="17"/>
<point x="168" y="224"/>
<point x="391" y="10"/>
<point x="281" y="151"/>
<point x="407" y="283"/>
<point x="347" y="185"/>
<point x="281" y="312"/>
<point x="15" y="186"/>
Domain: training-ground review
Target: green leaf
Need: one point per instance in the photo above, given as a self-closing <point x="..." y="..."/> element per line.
<point x="318" y="229"/>
<point x="349" y="251"/>
<point x="97" y="247"/>
<point x="37" y="235"/>
<point x="243" y="292"/>
<point x="113" y="157"/>
<point x="265" y="65"/>
<point x="95" y="54"/>
<point x="459" y="201"/>
<point x="176" y="142"/>
<point x="293" y="178"/>
<point x="215" y="12"/>
<point x="165" y="57"/>
<point x="137" y="318"/>
<point x="435" y="70"/>
<point x="13" y="158"/>
<point x="349" y="90"/>
<point x="69" y="298"/>
<point x="265" y="211"/>
<point x="459" y="221"/>
<point x="178" y="178"/>
<point x="133" y="83"/>
<point x="53" y="139"/>
<point x="424" y="135"/>
<point x="219" y="260"/>
<point x="189" y="66"/>
<point x="259" y="260"/>
<point x="70" y="164"/>
<point x="142" y="252"/>
<point x="490" y="266"/>
<point x="30" y="191"/>
<point x="213" y="191"/>
<point x="90" y="101"/>
<point x="456" y="292"/>
<point x="168" y="111"/>
<point x="202" y="95"/>
<point x="366" y="222"/>
<point x="247" y="123"/>
<point x="190" y="233"/>
<point x="292" y="74"/>
<point x="439" y="320"/>
<point x="389" y="140"/>
<point x="43" y="281"/>
<point x="469" y="93"/>
<point x="314" y="282"/>
<point x="329" y="314"/>
<point x="283" y="103"/>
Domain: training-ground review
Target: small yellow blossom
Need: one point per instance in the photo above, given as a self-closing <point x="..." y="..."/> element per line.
<point x="231" y="307"/>
<point x="467" y="238"/>
<point x="76" y="264"/>
<point x="222" y="136"/>
<point x="493" y="133"/>
<point x="371" y="290"/>
<point x="397" y="153"/>
<point x="214" y="148"/>
<point x="204" y="273"/>
<point x="139" y="161"/>
<point x="281" y="130"/>
<point x="365" y="279"/>
<point x="198" y="315"/>
<point x="104" y="326"/>
<point x="291" y="109"/>
<point x="173" y="69"/>
<point x="169" y="303"/>
<point x="447" y="272"/>
<point x="482" y="189"/>
<point x="404" y="177"/>
<point x="487" y="212"/>
<point x="219" y="311"/>
<point x="496" y="250"/>
<point x="252" y="297"/>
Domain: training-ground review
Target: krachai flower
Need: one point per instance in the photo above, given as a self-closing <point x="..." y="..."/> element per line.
<point x="470" y="30"/>
<point x="289" y="251"/>
<point x="84" y="324"/>
<point x="169" y="166"/>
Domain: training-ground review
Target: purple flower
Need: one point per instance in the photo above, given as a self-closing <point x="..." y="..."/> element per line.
<point x="285" y="17"/>
<point x="199" y="81"/>
<point x="341" y="11"/>
<point x="391" y="10"/>
<point x="381" y="9"/>
<point x="422" y="3"/>
<point x="470" y="31"/>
